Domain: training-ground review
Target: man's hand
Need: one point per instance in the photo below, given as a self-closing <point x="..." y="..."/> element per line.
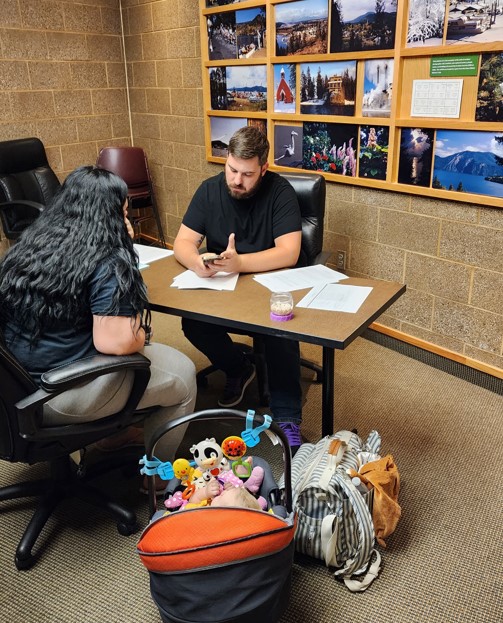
<point x="231" y="260"/>
<point x="204" y="270"/>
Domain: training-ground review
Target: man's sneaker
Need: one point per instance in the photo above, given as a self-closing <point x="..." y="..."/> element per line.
<point x="235" y="387"/>
<point x="292" y="432"/>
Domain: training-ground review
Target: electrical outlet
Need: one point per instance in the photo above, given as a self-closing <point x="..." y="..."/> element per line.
<point x="340" y="260"/>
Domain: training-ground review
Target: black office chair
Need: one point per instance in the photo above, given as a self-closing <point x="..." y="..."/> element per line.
<point x="311" y="193"/>
<point x="131" y="164"/>
<point x="27" y="183"/>
<point x="24" y="439"/>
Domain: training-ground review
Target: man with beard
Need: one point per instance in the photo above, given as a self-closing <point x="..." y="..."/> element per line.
<point x="250" y="218"/>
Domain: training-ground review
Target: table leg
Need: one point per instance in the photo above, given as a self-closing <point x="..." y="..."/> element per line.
<point x="327" y="392"/>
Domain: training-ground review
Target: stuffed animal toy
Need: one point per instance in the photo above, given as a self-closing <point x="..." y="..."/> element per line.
<point x="208" y="456"/>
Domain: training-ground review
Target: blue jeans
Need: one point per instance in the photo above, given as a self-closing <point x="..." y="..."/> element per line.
<point x="282" y="359"/>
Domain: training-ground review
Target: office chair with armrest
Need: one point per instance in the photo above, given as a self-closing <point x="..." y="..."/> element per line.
<point x="311" y="194"/>
<point x="27" y="184"/>
<point x="131" y="164"/>
<point x="24" y="439"/>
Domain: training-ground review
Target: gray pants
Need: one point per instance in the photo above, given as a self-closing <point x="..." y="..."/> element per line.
<point x="172" y="386"/>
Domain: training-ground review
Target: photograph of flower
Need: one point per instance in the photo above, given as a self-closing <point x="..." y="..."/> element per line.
<point x="330" y="147"/>
<point x="250" y="33"/>
<point x="490" y="91"/>
<point x="362" y="25"/>
<point x="475" y="22"/>
<point x="377" y="87"/>
<point x="285" y="87"/>
<point x="373" y="154"/>
<point x="222" y="128"/>
<point x="328" y="88"/>
<point x="288" y="145"/>
<point x="301" y="27"/>
<point x="416" y="152"/>
<point x="467" y="161"/>
<point x="221" y="29"/>
<point x="426" y="23"/>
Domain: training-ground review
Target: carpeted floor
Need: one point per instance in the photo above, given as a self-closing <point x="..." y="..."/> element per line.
<point x="443" y="564"/>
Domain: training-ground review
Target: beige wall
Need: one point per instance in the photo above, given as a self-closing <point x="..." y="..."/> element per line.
<point x="61" y="79"/>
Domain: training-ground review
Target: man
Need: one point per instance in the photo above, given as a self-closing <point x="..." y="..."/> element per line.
<point x="251" y="219"/>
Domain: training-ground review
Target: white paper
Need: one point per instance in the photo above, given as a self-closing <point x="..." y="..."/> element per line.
<point x="436" y="98"/>
<point x="299" y="278"/>
<point x="188" y="280"/>
<point x="150" y="254"/>
<point x="336" y="297"/>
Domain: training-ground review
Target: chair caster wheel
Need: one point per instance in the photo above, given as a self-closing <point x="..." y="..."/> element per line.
<point x="126" y="529"/>
<point x="23" y="564"/>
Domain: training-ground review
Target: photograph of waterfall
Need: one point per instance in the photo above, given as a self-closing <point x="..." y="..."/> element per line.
<point x="377" y="87"/>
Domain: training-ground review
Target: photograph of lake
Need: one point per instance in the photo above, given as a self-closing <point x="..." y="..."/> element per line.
<point x="469" y="162"/>
<point x="301" y="27"/>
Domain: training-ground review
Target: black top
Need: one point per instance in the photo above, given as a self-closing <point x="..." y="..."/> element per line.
<point x="257" y="221"/>
<point x="65" y="342"/>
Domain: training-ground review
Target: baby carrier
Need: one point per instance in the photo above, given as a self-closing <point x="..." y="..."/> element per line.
<point x="221" y="564"/>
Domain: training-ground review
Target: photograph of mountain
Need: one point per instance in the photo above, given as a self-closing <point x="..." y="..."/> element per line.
<point x="239" y="88"/>
<point x="221" y="129"/>
<point x="426" y="22"/>
<point x="469" y="162"/>
<point x="250" y="33"/>
<point x="414" y="166"/>
<point x="301" y="27"/>
<point x="490" y="91"/>
<point x="328" y="88"/>
<point x="362" y="25"/>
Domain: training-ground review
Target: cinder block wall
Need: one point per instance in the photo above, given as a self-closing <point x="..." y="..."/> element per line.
<point x="61" y="78"/>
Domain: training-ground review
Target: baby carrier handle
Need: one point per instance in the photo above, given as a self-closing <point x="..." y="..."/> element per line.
<point x="222" y="414"/>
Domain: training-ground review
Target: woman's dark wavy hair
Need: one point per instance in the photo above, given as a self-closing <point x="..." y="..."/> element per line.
<point x="43" y="277"/>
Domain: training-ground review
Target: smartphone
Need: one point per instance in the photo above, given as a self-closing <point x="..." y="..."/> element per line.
<point x="211" y="258"/>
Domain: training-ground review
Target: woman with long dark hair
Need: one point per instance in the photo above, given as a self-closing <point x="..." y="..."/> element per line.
<point x="71" y="287"/>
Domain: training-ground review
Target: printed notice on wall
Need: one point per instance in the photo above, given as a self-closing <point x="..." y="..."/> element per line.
<point x="436" y="98"/>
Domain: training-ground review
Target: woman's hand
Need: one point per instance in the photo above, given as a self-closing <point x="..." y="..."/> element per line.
<point x="129" y="227"/>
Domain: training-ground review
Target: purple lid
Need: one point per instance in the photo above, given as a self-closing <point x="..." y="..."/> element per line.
<point x="281" y="318"/>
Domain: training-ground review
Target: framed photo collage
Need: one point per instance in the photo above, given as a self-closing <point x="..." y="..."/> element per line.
<point x="403" y="95"/>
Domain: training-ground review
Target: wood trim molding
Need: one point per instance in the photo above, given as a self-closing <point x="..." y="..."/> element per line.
<point x="438" y="350"/>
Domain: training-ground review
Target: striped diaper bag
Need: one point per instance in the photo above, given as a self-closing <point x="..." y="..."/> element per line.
<point x="334" y="520"/>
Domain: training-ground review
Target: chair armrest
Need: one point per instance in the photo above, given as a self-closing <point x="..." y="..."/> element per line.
<point x="33" y="206"/>
<point x="74" y="374"/>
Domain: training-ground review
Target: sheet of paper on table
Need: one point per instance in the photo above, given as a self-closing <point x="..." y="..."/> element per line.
<point x="299" y="278"/>
<point x="148" y="254"/>
<point x="336" y="297"/>
<point x="188" y="280"/>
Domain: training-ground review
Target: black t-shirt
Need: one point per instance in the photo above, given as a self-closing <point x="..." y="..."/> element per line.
<point x="66" y="342"/>
<point x="257" y="221"/>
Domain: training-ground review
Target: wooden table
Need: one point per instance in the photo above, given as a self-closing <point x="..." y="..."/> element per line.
<point x="247" y="309"/>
